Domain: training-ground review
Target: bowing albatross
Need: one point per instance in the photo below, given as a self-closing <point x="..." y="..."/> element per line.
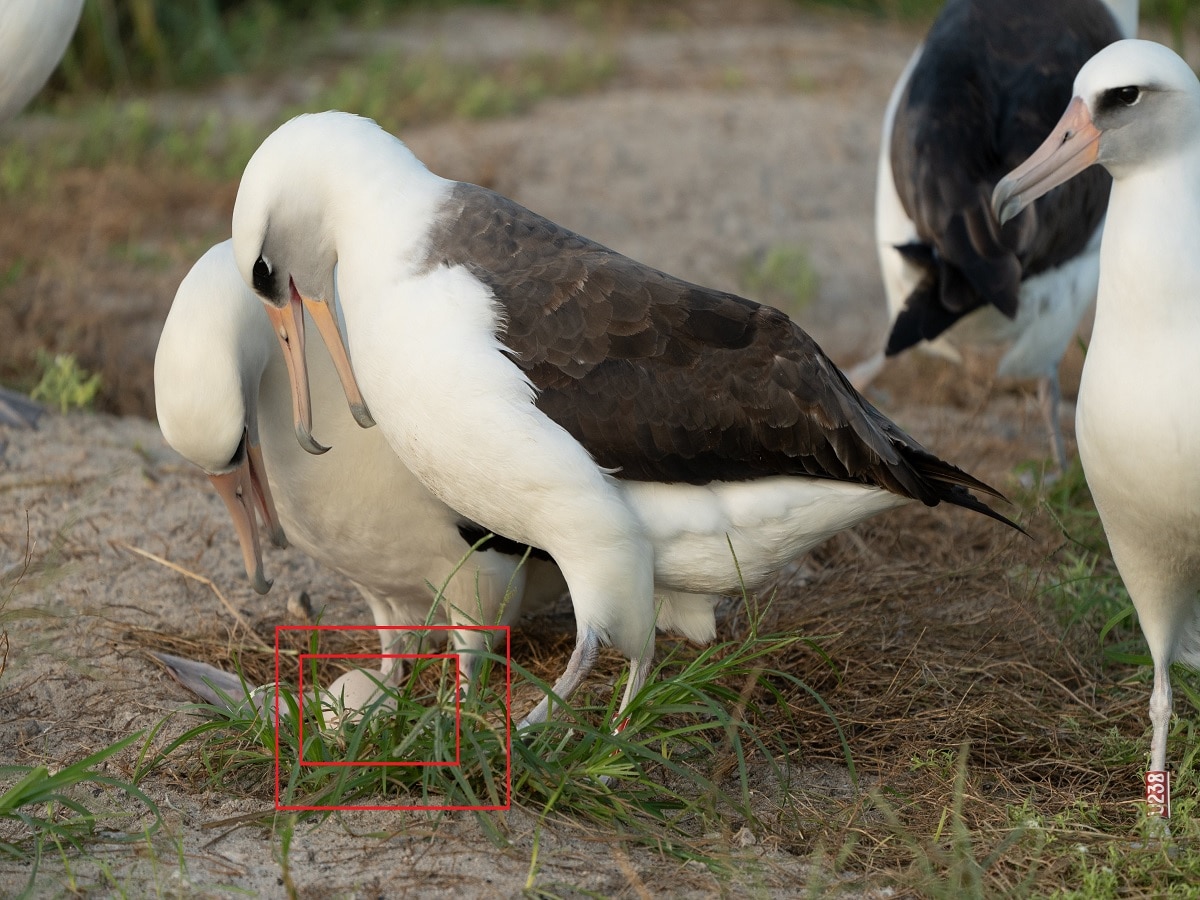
<point x="1136" y="112"/>
<point x="976" y="98"/>
<point x="631" y="424"/>
<point x="220" y="385"/>
<point x="33" y="36"/>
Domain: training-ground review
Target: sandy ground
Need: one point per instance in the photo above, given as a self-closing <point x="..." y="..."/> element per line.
<point x="717" y="140"/>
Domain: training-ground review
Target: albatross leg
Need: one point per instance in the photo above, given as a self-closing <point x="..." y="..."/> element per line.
<point x="1160" y="716"/>
<point x="583" y="658"/>
<point x="639" y="669"/>
<point x="1158" y="779"/>
<point x="1050" y="400"/>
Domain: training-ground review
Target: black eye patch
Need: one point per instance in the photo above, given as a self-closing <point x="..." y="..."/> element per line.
<point x="1118" y="97"/>
<point x="1128" y="95"/>
<point x="263" y="278"/>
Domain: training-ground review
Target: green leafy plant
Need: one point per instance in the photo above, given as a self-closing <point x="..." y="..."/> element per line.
<point x="64" y="384"/>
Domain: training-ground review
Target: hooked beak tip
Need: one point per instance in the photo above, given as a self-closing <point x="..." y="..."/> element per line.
<point x="309" y="443"/>
<point x="279" y="538"/>
<point x="261" y="584"/>
<point x="362" y="415"/>
<point x="1004" y="204"/>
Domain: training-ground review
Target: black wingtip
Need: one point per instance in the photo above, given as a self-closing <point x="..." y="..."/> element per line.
<point x="960" y="496"/>
<point x="950" y="484"/>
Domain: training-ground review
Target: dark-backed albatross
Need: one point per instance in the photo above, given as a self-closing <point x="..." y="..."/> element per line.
<point x="221" y="386"/>
<point x="631" y="424"/>
<point x="1136" y="112"/>
<point x="978" y="97"/>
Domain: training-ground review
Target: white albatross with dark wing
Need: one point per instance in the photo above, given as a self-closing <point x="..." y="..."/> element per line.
<point x="1136" y="112"/>
<point x="978" y="97"/>
<point x="221" y="386"/>
<point x="564" y="396"/>
<point x="34" y="34"/>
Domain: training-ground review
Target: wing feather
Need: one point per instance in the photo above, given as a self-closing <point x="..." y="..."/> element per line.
<point x="664" y="380"/>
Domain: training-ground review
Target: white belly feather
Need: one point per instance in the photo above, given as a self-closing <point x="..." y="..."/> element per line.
<point x="768" y="522"/>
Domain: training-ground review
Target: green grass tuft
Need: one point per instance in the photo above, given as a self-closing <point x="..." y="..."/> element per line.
<point x="398" y="94"/>
<point x="46" y="803"/>
<point x="689" y="736"/>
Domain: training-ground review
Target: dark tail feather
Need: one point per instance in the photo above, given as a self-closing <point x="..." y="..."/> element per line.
<point x="924" y="314"/>
<point x="948" y="291"/>
<point x="952" y="485"/>
<point x="922" y="318"/>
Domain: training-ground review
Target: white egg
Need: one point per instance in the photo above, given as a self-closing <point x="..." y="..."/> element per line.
<point x="351" y="694"/>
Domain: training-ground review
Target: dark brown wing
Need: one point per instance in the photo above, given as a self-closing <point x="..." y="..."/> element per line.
<point x="663" y="380"/>
<point x="993" y="78"/>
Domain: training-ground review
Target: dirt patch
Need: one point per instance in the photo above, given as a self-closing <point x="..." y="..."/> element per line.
<point x="717" y="140"/>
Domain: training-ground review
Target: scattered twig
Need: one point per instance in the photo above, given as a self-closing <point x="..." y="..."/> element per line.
<point x="175" y="567"/>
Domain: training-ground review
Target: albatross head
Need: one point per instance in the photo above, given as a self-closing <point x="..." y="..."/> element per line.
<point x="284" y="241"/>
<point x="210" y="359"/>
<point x="1135" y="103"/>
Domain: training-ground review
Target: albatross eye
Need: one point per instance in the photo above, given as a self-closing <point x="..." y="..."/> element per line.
<point x="262" y="276"/>
<point x="1128" y="95"/>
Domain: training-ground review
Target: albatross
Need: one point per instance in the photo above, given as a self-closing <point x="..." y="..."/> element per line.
<point x="976" y="98"/>
<point x="221" y="388"/>
<point x="1136" y="112"/>
<point x="654" y="436"/>
<point x="34" y="34"/>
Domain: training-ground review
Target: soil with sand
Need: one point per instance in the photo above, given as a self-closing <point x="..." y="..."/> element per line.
<point x="717" y="140"/>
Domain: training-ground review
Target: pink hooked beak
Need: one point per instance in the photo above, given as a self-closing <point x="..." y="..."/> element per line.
<point x="1072" y="146"/>
<point x="288" y="323"/>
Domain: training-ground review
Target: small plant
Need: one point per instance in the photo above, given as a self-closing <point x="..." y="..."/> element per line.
<point x="64" y="384"/>
<point x="943" y="762"/>
<point x="18" y="170"/>
<point x="1178" y="15"/>
<point x="782" y="276"/>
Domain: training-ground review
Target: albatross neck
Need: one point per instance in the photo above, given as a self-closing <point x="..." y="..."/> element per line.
<point x="1153" y="221"/>
<point x="380" y="221"/>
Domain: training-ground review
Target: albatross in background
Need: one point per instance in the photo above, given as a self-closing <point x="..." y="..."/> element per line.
<point x="1136" y="112"/>
<point x="220" y="384"/>
<point x="631" y="424"/>
<point x="34" y="34"/>
<point x="976" y="98"/>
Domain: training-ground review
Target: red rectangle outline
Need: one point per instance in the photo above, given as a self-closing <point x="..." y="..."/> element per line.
<point x="406" y="807"/>
<point x="457" y="761"/>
